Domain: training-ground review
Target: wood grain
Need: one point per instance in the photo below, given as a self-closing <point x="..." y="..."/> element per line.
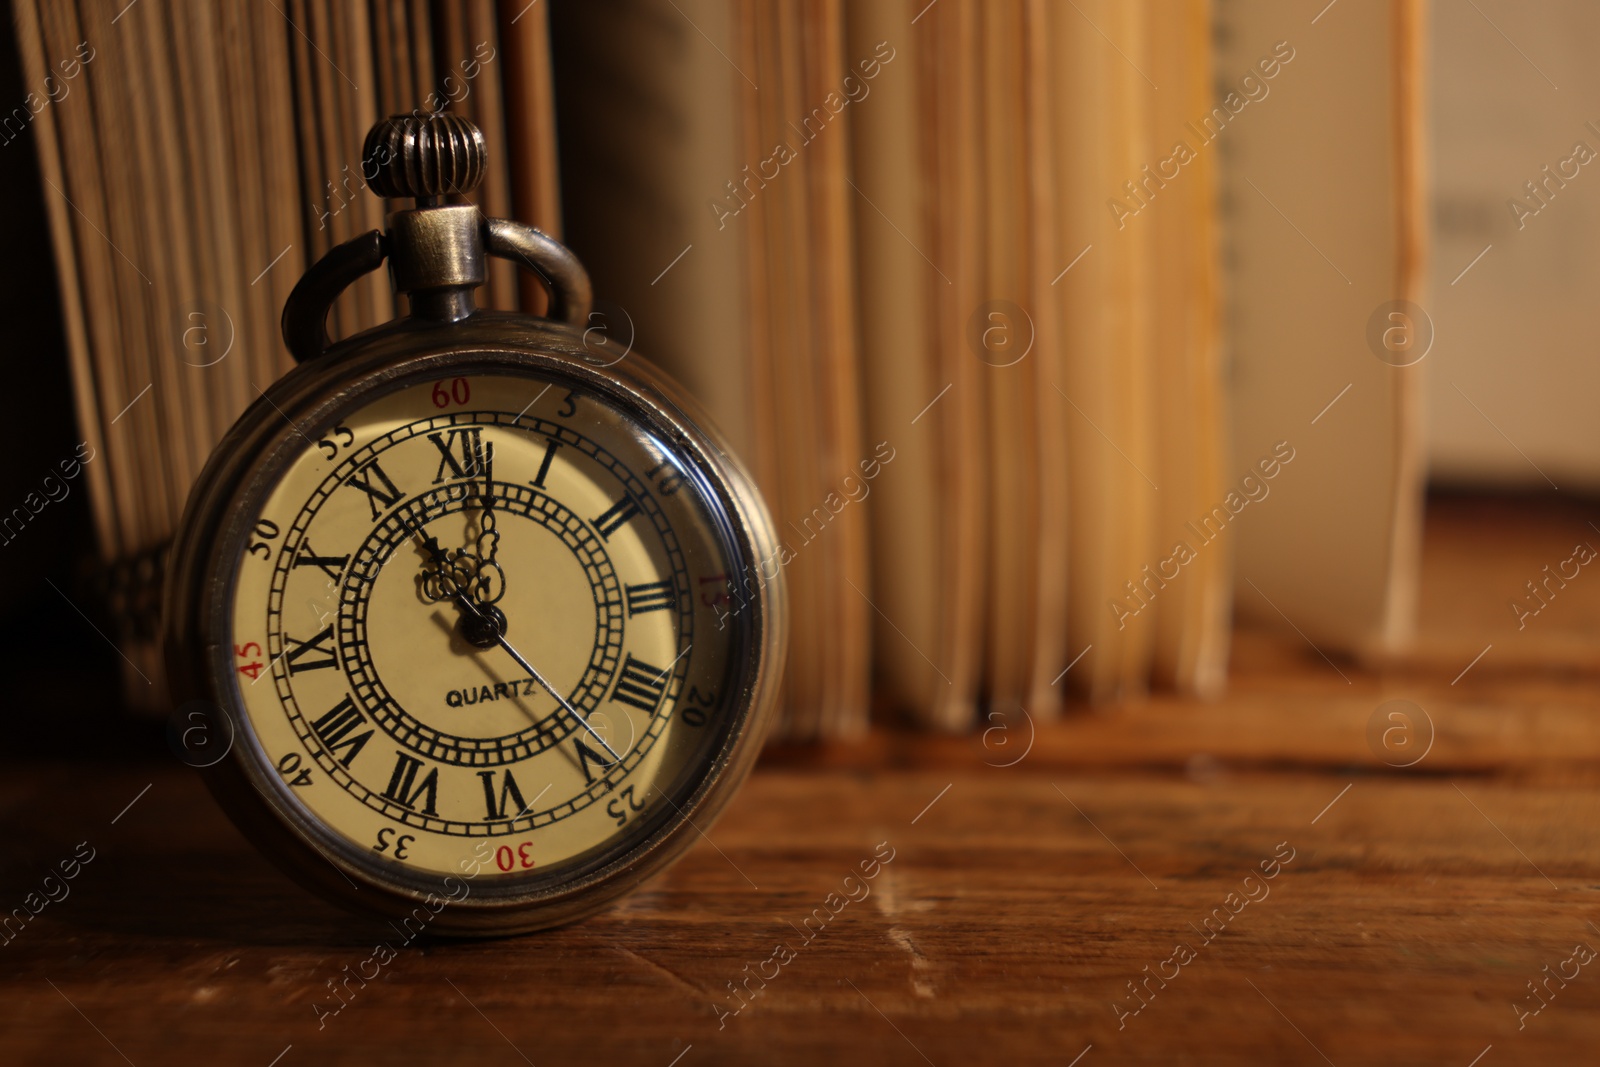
<point x="1019" y="902"/>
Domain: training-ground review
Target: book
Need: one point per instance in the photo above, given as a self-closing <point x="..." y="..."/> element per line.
<point x="1324" y="245"/>
<point x="706" y="183"/>
<point x="209" y="155"/>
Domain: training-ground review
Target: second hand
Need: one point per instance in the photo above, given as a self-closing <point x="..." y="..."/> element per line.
<point x="548" y="688"/>
<point x="464" y="601"/>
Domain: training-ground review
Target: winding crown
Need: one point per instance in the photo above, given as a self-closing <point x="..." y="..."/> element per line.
<point x="424" y="156"/>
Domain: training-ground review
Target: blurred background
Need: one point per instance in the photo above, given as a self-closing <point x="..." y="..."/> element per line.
<point x="1171" y="315"/>
<point x="1499" y="119"/>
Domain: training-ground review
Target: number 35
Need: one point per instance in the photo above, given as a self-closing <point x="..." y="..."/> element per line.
<point x="386" y="837"/>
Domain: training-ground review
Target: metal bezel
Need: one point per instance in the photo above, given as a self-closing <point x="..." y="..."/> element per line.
<point x="248" y="462"/>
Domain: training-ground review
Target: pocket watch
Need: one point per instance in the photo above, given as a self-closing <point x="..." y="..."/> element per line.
<point x="479" y="602"/>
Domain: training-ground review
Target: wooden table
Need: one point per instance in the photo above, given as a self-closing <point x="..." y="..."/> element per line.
<point x="1409" y="910"/>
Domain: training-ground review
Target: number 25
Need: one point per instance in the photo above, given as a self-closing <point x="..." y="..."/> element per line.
<point x="614" y="809"/>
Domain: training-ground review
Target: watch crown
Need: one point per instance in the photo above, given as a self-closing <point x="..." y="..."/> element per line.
<point x="424" y="156"/>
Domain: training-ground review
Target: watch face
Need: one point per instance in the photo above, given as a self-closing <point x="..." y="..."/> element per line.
<point x="485" y="624"/>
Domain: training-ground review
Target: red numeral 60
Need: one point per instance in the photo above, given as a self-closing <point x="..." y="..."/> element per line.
<point x="460" y="392"/>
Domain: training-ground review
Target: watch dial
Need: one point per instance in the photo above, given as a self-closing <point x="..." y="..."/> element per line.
<point x="422" y="571"/>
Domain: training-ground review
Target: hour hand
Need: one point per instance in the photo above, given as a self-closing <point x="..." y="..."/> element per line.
<point x="442" y="578"/>
<point x="480" y="625"/>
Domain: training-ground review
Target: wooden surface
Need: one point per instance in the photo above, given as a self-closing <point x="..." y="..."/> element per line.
<point x="1020" y="901"/>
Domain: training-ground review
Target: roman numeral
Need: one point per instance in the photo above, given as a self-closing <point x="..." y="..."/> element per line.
<point x="404" y="789"/>
<point x="337" y="730"/>
<point x="508" y="791"/>
<point x="611" y="520"/>
<point x="476" y="459"/>
<point x="331" y="565"/>
<point x="385" y="493"/>
<point x="639" y="684"/>
<point x="312" y="654"/>
<point x="651" y="596"/>
<point x="586" y="755"/>
<point x="550" y="448"/>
